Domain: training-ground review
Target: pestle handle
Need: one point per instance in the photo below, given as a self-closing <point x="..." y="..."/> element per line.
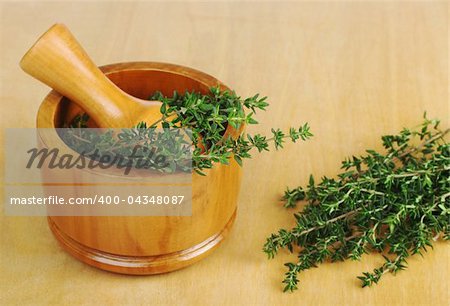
<point x="58" y="60"/>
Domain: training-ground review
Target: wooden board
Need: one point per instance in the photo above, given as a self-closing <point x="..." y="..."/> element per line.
<point x="353" y="70"/>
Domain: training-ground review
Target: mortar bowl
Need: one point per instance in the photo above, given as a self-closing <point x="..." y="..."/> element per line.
<point x="142" y="245"/>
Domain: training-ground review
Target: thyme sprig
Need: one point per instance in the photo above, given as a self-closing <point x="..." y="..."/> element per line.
<point x="395" y="203"/>
<point x="207" y="116"/>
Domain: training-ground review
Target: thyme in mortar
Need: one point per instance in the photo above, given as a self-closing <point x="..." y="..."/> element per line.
<point x="207" y="116"/>
<point x="395" y="203"/>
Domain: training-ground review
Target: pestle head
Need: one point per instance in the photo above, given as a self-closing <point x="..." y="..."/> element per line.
<point x="58" y="60"/>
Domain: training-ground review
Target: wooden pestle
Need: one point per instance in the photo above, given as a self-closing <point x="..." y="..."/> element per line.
<point x="58" y="60"/>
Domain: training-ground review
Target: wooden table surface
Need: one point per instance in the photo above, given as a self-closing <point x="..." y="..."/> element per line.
<point x="353" y="70"/>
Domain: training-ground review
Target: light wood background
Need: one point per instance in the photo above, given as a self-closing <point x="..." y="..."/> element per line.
<point x="353" y="70"/>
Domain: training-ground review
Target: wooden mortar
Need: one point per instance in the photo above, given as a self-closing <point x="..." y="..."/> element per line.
<point x="148" y="244"/>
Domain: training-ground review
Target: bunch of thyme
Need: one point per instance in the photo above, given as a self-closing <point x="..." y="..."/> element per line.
<point x="139" y="148"/>
<point x="395" y="203"/>
<point x="206" y="116"/>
